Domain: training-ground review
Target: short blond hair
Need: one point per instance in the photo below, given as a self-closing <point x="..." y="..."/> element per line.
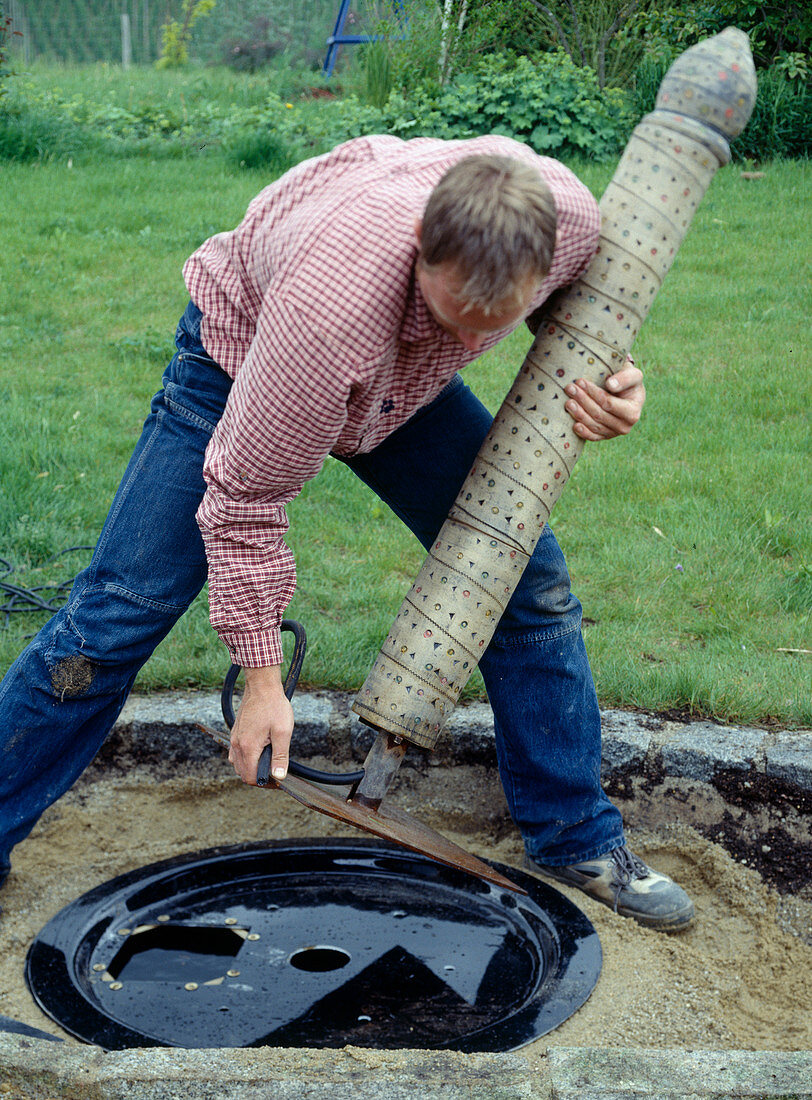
<point x="495" y="218"/>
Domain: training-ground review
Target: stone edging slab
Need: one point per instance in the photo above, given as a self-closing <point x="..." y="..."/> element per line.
<point x="31" y="1069"/>
<point x="325" y="726"/>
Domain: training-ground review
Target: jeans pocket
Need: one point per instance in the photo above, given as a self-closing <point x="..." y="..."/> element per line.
<point x="197" y="390"/>
<point x="179" y="402"/>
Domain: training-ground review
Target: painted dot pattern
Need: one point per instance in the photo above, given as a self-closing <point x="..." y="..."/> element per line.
<point x="451" y="612"/>
<point x="713" y="82"/>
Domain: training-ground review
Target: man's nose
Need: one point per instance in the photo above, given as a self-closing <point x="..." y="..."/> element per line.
<point x="472" y="341"/>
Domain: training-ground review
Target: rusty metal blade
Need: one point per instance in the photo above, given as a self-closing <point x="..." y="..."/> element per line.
<point x="387" y="822"/>
<point x="221" y="738"/>
<point x="392" y="823"/>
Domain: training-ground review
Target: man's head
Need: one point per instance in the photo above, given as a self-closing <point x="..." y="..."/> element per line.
<point x="486" y="243"/>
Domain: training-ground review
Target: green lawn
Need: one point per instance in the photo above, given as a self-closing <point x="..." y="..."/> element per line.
<point x="688" y="542"/>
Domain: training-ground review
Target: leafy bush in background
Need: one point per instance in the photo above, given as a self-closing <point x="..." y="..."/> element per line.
<point x="253" y="48"/>
<point x="435" y="41"/>
<point x="176" y="34"/>
<point x="549" y="103"/>
<point x="781" y="123"/>
<point x="592" y="32"/>
<point x="780" y="33"/>
<point x="552" y="104"/>
<point x="775" y="27"/>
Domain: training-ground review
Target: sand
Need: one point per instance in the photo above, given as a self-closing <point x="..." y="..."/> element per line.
<point x="738" y="979"/>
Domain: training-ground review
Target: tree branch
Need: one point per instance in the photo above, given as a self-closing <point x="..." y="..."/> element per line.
<point x="576" y="30"/>
<point x="559" y="30"/>
<point x="621" y="18"/>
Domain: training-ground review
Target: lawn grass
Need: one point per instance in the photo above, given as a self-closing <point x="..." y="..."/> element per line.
<point x="688" y="542"/>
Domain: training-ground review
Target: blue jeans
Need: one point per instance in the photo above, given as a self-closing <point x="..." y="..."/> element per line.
<point x="60" y="698"/>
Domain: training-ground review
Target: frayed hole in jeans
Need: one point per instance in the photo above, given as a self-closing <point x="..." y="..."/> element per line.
<point x="72" y="676"/>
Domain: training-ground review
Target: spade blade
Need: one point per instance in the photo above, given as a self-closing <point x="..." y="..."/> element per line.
<point x="392" y="823"/>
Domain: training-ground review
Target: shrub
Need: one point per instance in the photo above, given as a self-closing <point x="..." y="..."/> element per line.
<point x="593" y="32"/>
<point x="773" y="26"/>
<point x="29" y="133"/>
<point x="548" y="102"/>
<point x="436" y="40"/>
<point x="254" y="49"/>
<point x="175" y="35"/>
<point x="781" y="124"/>
<point x="261" y="149"/>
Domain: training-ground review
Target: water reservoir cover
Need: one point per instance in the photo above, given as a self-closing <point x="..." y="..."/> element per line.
<point x="313" y="943"/>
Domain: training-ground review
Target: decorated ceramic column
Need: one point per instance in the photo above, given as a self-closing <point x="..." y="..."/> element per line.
<point x="449" y="616"/>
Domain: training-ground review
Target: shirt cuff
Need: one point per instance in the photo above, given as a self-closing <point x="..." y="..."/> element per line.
<point x="255" y="648"/>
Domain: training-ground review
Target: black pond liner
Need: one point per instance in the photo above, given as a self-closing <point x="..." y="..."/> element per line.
<point x="313" y="943"/>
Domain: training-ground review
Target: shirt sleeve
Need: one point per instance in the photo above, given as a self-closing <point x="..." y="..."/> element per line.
<point x="284" y="414"/>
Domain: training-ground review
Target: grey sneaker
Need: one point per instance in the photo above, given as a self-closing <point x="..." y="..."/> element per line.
<point x="622" y="881"/>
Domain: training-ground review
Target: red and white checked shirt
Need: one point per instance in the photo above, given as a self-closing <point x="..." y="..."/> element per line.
<point x="311" y="306"/>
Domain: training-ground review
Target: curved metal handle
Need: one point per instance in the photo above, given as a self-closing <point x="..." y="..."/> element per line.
<point x="336" y="779"/>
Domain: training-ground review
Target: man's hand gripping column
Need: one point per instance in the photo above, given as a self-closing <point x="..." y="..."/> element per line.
<point x="605" y="413"/>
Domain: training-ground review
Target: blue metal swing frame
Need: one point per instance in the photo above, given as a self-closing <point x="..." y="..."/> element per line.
<point x="338" y="38"/>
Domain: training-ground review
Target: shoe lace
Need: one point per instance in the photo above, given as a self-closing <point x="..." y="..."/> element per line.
<point x="626" y="868"/>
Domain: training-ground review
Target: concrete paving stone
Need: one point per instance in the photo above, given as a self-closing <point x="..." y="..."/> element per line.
<point x="700" y="749"/>
<point x="790" y="758"/>
<point x="625" y="742"/>
<point x="582" y="1073"/>
<point x="164" y="728"/>
<point x="314" y="716"/>
<point x="172" y="708"/>
<point x="361" y="737"/>
<point x="168" y="721"/>
<point x="468" y="737"/>
<point x="33" y="1070"/>
<point x="154" y="718"/>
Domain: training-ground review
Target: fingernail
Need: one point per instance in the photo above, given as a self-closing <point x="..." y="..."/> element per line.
<point x="611" y="383"/>
<point x="570" y="390"/>
<point x="279" y="773"/>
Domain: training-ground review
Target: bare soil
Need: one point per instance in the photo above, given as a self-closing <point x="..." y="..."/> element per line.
<point x="738" y="979"/>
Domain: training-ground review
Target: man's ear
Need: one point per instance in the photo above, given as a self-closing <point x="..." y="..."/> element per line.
<point x="418" y="231"/>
